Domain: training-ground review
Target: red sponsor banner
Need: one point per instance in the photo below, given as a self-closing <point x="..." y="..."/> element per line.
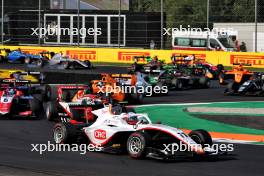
<point x="33" y="51"/>
<point x="82" y="55"/>
<point x="128" y="55"/>
<point x="100" y="134"/>
<point x="247" y="59"/>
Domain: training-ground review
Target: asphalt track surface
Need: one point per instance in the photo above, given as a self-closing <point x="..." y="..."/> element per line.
<point x="16" y="137"/>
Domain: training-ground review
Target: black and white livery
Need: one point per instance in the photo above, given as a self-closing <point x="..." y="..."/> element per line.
<point x="59" y="61"/>
<point x="116" y="130"/>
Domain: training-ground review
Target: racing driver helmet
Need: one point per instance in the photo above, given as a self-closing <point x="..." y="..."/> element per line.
<point x="130" y="118"/>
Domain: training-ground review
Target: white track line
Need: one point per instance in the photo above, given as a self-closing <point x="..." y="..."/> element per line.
<point x="188" y="104"/>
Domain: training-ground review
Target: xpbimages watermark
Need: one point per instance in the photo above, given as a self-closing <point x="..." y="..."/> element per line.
<point x="195" y="31"/>
<point x="146" y="90"/>
<point x="182" y="147"/>
<point x="55" y="31"/>
<point x="50" y="147"/>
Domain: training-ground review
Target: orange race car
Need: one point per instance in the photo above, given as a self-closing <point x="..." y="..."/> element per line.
<point x="235" y="78"/>
<point x="117" y="86"/>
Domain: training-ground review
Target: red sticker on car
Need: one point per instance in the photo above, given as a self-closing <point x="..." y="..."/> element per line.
<point x="100" y="134"/>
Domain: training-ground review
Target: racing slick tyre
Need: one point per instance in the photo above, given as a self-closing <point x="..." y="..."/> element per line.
<point x="261" y="93"/>
<point x="177" y="83"/>
<point x="35" y="107"/>
<point x="27" y="60"/>
<point x="51" y="110"/>
<point x="201" y="137"/>
<point x="232" y="88"/>
<point x="50" y="93"/>
<point x="137" y="144"/>
<point x="2" y="58"/>
<point x="64" y="133"/>
<point x="65" y="65"/>
<point x="220" y="67"/>
<point x="39" y="63"/>
<point x="88" y="63"/>
<point x="221" y="78"/>
<point x="162" y="87"/>
<point x="204" y="82"/>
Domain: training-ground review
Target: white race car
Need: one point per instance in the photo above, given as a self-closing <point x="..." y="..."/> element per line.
<point x="117" y="130"/>
<point x="57" y="60"/>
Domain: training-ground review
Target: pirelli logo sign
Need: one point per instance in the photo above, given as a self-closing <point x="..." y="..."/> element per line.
<point x="82" y="55"/>
<point x="247" y="59"/>
<point x="128" y="56"/>
<point x="33" y="51"/>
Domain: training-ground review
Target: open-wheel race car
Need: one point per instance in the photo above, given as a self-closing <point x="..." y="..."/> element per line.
<point x="33" y="76"/>
<point x="117" y="130"/>
<point x="235" y="78"/>
<point x="115" y="85"/>
<point x="18" y="98"/>
<point x="17" y="56"/>
<point x="58" y="60"/>
<point x="70" y="102"/>
<point x="253" y="87"/>
<point x="151" y="64"/>
<point x="194" y="61"/>
<point x="174" y="78"/>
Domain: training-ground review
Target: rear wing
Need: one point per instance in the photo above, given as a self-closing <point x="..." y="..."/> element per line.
<point x="32" y="76"/>
<point x="242" y="64"/>
<point x="28" y="73"/>
<point x="152" y="71"/>
<point x="125" y="79"/>
<point x="47" y="54"/>
<point x="143" y="58"/>
<point x="71" y="86"/>
<point x="7" y="81"/>
<point x="121" y="75"/>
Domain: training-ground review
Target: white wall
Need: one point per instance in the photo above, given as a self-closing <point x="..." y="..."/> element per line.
<point x="246" y="33"/>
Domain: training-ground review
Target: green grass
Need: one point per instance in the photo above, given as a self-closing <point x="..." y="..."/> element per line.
<point x="249" y="68"/>
<point x="177" y="117"/>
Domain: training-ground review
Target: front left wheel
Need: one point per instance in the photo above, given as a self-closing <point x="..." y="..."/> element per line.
<point x="137" y="144"/>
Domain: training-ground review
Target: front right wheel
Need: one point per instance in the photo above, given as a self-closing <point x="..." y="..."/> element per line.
<point x="64" y="133"/>
<point x="65" y="65"/>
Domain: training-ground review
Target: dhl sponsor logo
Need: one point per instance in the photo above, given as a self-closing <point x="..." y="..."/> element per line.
<point x="247" y="59"/>
<point x="33" y="51"/>
<point x="128" y="56"/>
<point x="82" y="55"/>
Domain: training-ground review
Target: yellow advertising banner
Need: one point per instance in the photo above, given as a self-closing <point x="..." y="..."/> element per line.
<point x="115" y="55"/>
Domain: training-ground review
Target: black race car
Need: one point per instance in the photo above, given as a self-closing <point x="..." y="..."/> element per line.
<point x="254" y="86"/>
